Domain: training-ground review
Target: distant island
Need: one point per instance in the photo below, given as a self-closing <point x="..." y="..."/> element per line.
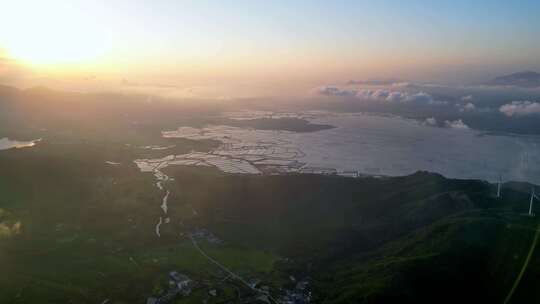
<point x="281" y="124"/>
<point x="527" y="79"/>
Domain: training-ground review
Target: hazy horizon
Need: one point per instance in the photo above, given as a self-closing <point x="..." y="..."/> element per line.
<point x="247" y="49"/>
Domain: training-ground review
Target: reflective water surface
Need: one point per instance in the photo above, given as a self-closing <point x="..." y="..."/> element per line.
<point x="383" y="145"/>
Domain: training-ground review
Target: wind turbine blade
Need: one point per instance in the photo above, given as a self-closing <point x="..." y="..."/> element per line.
<point x="531" y="201"/>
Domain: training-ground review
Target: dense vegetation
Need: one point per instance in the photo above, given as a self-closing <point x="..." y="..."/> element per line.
<point x="406" y="239"/>
<point x="75" y="229"/>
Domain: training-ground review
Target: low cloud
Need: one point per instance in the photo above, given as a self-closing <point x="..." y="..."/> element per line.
<point x="430" y="121"/>
<point x="468" y="98"/>
<point x="381" y="95"/>
<point x="520" y="108"/>
<point x="398" y="97"/>
<point x="468" y="107"/>
<point x="405" y="85"/>
<point x="456" y="124"/>
<point x="335" y="91"/>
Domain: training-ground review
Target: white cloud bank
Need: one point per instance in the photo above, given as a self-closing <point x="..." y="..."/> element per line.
<point x="456" y="124"/>
<point x="380" y="95"/>
<point x="520" y="108"/>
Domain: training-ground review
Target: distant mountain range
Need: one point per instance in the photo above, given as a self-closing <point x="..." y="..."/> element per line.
<point x="527" y="79"/>
<point x="374" y="82"/>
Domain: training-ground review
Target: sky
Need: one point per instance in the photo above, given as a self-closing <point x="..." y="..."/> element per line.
<point x="243" y="48"/>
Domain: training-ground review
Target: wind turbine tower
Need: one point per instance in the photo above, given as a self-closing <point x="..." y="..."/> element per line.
<point x="499" y="187"/>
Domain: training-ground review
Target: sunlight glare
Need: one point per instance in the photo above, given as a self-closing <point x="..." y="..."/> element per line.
<point x="54" y="34"/>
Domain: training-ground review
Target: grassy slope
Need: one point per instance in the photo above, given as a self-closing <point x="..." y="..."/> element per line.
<point x="471" y="257"/>
<point x="88" y="228"/>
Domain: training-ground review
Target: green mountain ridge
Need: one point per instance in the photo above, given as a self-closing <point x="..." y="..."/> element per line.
<point x="87" y="231"/>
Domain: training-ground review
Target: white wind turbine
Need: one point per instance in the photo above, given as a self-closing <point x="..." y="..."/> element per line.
<point x="499" y="187"/>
